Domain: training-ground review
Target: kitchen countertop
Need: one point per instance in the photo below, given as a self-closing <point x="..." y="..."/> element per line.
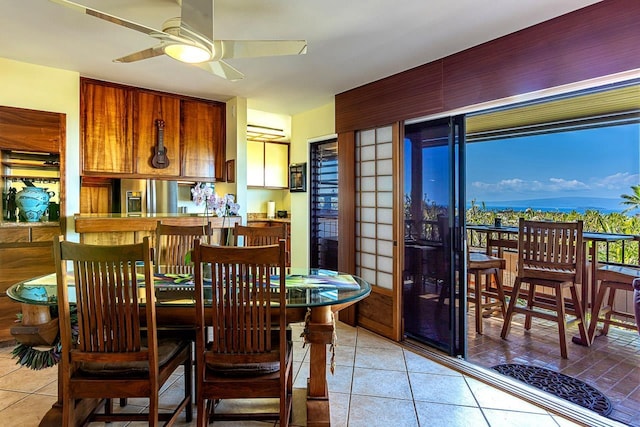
<point x="124" y="223"/>
<point x="285" y="220"/>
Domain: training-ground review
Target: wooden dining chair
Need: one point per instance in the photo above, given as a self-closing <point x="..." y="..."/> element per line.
<point x="173" y="242"/>
<point x="116" y="353"/>
<point x="550" y="255"/>
<point x="241" y="358"/>
<point x="260" y="236"/>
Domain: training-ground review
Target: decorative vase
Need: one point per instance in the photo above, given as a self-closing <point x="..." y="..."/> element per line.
<point x="32" y="202"/>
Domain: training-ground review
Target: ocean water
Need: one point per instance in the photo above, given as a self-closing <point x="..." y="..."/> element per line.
<point x="564" y="205"/>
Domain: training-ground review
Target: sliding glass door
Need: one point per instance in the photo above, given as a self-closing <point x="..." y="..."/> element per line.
<point x="433" y="274"/>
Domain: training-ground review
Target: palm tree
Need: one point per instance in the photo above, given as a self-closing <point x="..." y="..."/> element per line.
<point x="631" y="200"/>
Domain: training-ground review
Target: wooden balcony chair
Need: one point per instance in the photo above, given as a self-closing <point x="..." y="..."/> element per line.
<point x="173" y="242"/>
<point x="613" y="278"/>
<point x="241" y="359"/>
<point x="117" y="353"/>
<point x="551" y="255"/>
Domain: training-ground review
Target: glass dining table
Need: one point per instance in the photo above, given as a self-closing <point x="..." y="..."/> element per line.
<point x="313" y="296"/>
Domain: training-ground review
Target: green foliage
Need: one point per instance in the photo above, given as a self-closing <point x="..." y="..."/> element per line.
<point x="594" y="221"/>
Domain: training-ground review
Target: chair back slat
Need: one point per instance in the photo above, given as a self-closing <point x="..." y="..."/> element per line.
<point x="259" y="236"/>
<point x="243" y="295"/>
<point x="551" y="246"/>
<point x="173" y="242"/>
<point x="108" y="309"/>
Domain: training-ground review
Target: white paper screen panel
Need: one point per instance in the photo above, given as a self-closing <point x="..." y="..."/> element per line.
<point x="374" y="206"/>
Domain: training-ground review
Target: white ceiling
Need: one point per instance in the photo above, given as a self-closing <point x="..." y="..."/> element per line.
<point x="350" y="42"/>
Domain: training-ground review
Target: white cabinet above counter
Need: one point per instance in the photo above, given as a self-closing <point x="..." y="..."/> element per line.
<point x="267" y="164"/>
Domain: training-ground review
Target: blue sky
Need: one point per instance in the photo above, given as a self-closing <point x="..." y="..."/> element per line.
<point x="602" y="162"/>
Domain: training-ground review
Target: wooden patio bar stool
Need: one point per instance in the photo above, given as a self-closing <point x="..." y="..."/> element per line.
<point x="613" y="278"/>
<point x="487" y="295"/>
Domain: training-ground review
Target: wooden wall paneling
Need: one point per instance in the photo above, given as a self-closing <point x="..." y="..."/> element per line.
<point x="595" y="41"/>
<point x="22" y="262"/>
<point x="398" y="230"/>
<point x="413" y="93"/>
<point x="149" y="107"/>
<point x="31" y="130"/>
<point x="347" y="215"/>
<point x="375" y="312"/>
<point x="8" y="315"/>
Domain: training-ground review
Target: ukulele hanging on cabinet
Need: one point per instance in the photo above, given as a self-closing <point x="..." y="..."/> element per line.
<point x="160" y="159"/>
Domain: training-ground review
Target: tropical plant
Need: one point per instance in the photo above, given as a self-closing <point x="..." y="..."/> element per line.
<point x="631" y="200"/>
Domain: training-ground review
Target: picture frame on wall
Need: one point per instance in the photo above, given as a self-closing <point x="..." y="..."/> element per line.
<point x="297" y="177"/>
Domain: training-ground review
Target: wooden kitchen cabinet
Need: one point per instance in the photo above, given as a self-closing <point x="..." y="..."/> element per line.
<point x="202" y="140"/>
<point x="149" y="108"/>
<point x="119" y="131"/>
<point x="106" y="128"/>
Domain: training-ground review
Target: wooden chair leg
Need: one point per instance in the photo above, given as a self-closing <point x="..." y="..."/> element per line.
<point x="596" y="311"/>
<point x="530" y="303"/>
<point x="500" y="290"/>
<point x="580" y="315"/>
<point x="478" y="302"/>
<point x="607" y="316"/>
<point x="512" y="305"/>
<point x="562" y="322"/>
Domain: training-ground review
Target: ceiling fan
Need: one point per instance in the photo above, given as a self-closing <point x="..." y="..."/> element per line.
<point x="189" y="38"/>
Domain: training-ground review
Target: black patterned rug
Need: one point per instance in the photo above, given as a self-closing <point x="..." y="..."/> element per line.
<point x="560" y="385"/>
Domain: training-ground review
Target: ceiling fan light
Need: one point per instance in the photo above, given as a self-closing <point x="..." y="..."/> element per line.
<point x="190" y="54"/>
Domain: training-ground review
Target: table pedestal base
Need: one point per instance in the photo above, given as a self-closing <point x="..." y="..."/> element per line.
<point x="320" y="330"/>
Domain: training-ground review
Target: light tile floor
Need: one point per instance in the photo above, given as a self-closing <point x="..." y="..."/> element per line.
<point x="376" y="383"/>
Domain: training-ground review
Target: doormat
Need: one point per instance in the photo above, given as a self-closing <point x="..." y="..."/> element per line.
<point x="560" y="385"/>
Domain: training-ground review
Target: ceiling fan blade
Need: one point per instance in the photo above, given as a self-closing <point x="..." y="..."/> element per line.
<point x="257" y="48"/>
<point x="143" y="54"/>
<point x="197" y="16"/>
<point x="107" y="17"/>
<point x="221" y="69"/>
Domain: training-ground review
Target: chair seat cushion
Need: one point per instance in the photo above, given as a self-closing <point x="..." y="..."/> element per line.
<point x="167" y="349"/>
<point x="245" y="369"/>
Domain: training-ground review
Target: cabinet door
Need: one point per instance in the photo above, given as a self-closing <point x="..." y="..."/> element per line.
<point x="202" y="140"/>
<point x="148" y="109"/>
<point x="95" y="198"/>
<point x="31" y="130"/>
<point x="255" y="163"/>
<point x="276" y="165"/>
<point x="107" y="143"/>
